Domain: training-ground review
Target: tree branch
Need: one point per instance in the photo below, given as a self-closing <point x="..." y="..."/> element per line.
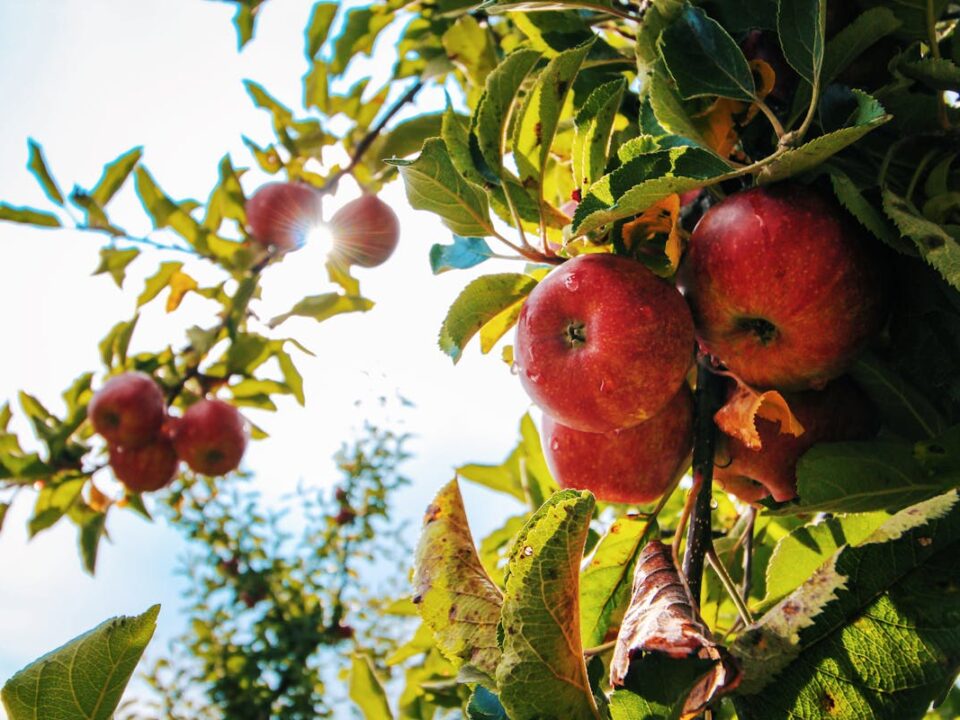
<point x="699" y="541"/>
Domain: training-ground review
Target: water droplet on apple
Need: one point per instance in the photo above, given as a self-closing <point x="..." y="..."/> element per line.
<point x="514" y="369"/>
<point x="571" y="282"/>
<point x="714" y="504"/>
<point x="533" y="377"/>
<point x="555" y="445"/>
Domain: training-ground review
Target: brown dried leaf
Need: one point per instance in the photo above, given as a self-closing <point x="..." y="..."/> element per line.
<point x="737" y="418"/>
<point x="662" y="619"/>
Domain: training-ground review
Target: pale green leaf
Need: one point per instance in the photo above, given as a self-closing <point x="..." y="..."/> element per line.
<point x="37" y="165"/>
<point x="114" y="262"/>
<point x="28" y="216"/>
<point x="367" y="691"/>
<point x="593" y="126"/>
<point x="321" y="18"/>
<point x="114" y="175"/>
<point x="322" y="307"/>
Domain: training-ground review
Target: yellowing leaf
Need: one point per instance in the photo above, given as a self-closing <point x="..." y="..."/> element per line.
<point x="663" y="217"/>
<point x="456" y="597"/>
<point x="499" y="326"/>
<point x="738" y="417"/>
<point x="180" y="284"/>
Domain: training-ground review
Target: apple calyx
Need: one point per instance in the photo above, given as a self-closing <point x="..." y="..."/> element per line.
<point x="575" y="334"/>
<point x="764" y="330"/>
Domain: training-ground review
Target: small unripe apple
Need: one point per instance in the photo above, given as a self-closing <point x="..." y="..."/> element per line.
<point x="840" y="412"/>
<point x="280" y="214"/>
<point x="785" y="288"/>
<point x="147" y="467"/>
<point x="128" y="410"/>
<point x="602" y="343"/>
<point x="365" y="232"/>
<point x="211" y="437"/>
<point x="634" y="465"/>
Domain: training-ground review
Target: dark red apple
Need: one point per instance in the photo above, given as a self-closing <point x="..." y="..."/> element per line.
<point x="602" y="343"/>
<point x="211" y="437"/>
<point x="634" y="465"/>
<point x="785" y="288"/>
<point x="365" y="232"/>
<point x="280" y="214"/>
<point x="128" y="410"/>
<point x="837" y="413"/>
<point x="145" y="468"/>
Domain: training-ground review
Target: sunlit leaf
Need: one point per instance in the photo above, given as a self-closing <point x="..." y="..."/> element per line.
<point x="322" y="307"/>
<point x="37" y="165"/>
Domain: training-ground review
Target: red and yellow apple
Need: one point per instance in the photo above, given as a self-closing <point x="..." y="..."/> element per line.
<point x="128" y="410"/>
<point x="602" y="343"/>
<point x="785" y="288"/>
<point x="634" y="465"/>
<point x="145" y="468"/>
<point x="280" y="214"/>
<point x="365" y="232"/>
<point x="211" y="437"/>
<point x="839" y="412"/>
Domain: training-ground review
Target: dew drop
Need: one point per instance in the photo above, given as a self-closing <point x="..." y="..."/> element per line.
<point x="714" y="504"/>
<point x="533" y="377"/>
<point x="571" y="282"/>
<point x="555" y="445"/>
<point x="527" y="551"/>
<point x="514" y="369"/>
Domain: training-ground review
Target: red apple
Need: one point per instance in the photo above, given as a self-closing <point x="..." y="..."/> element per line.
<point x="280" y="214"/>
<point x="837" y="413"/>
<point x="634" y="465"/>
<point x="785" y="288"/>
<point x="602" y="343"/>
<point x="211" y="437"/>
<point x="365" y="232"/>
<point x="128" y="410"/>
<point x="146" y="468"/>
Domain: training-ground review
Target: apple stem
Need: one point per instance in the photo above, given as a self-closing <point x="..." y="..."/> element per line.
<point x="718" y="567"/>
<point x="771" y="116"/>
<point x="708" y="399"/>
<point x="748" y="552"/>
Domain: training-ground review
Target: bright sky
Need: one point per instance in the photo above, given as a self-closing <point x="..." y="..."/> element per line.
<point x="89" y="79"/>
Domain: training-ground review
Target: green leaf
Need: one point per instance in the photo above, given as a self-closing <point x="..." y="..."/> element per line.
<point x="37" y="165"/>
<point x="799" y="554"/>
<point x="114" y="261"/>
<point x="642" y="181"/>
<point x="542" y="675"/>
<point x="662" y="684"/>
<point x="321" y="18"/>
<point x="871" y="634"/>
<point x="484" y="705"/>
<point x="869" y="116"/>
<point x="487" y="129"/>
<point x="359" y="32"/>
<point x="863" y="477"/>
<point x="935" y="244"/>
<point x="322" y="307"/>
<point x="848" y="44"/>
<point x="366" y="690"/>
<point x="53" y="501"/>
<point x="471" y="46"/>
<point x="606" y="582"/>
<point x="155" y="284"/>
<point x="92" y="530"/>
<point x="456" y="597"/>
<point x="524" y="474"/>
<point x="539" y="115"/>
<point x="668" y="109"/>
<point x="163" y="211"/>
<point x="244" y="20"/>
<point x="291" y="376"/>
<point x="114" y="175"/>
<point x="28" y="216"/>
<point x="465" y="252"/>
<point x="801" y="26"/>
<point x="267" y="158"/>
<point x="114" y="345"/>
<point x="903" y="409"/>
<point x="3" y="512"/>
<point x="480" y="302"/>
<point x="703" y="59"/>
<point x="84" y="679"/>
<point x="869" y="216"/>
<point x="593" y="126"/>
<point x="493" y="547"/>
<point x="227" y="199"/>
<point x="433" y="183"/>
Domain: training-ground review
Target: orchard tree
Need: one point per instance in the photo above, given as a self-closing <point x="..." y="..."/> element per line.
<point x="753" y="201"/>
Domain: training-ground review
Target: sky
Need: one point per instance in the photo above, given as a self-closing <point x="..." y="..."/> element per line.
<point x="89" y="79"/>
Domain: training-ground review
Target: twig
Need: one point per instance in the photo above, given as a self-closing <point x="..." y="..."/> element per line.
<point x="748" y="552"/>
<point x="600" y="649"/>
<point x="699" y="540"/>
<point x="331" y="182"/>
<point x="137" y="240"/>
<point x="729" y="585"/>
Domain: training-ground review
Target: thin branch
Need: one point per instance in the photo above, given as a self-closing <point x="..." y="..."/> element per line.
<point x="771" y="116"/>
<point x="600" y="649"/>
<point x="748" y="552"/>
<point x="137" y="240"/>
<point x="729" y="585"/>
<point x="699" y="540"/>
<point x="331" y="182"/>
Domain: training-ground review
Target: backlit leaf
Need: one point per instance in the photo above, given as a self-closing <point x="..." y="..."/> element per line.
<point x="322" y="307"/>
<point x="465" y="252"/>
<point x="28" y="216"/>
<point x="114" y="175"/>
<point x="593" y="131"/>
<point x="114" y="261"/>
<point x="37" y="165"/>
<point x="367" y="691"/>
<point x="321" y="18"/>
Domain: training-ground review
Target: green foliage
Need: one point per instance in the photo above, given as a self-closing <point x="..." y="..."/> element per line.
<point x="82" y="680"/>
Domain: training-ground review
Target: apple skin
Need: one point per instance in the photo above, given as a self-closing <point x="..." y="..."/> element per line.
<point x="146" y="468"/>
<point x="634" y="465"/>
<point x="602" y="343"/>
<point x="211" y="437"/>
<point x="365" y="232"/>
<point x="840" y="412"/>
<point x="280" y="214"/>
<point x="128" y="410"/>
<point x="785" y="289"/>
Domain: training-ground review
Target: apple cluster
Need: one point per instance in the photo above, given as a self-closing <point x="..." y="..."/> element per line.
<point x="778" y="287"/>
<point x="280" y="215"/>
<point x="146" y="445"/>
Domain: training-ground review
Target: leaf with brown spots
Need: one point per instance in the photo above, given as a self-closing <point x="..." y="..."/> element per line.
<point x="662" y="621"/>
<point x="738" y="417"/>
<point x="456" y="597"/>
